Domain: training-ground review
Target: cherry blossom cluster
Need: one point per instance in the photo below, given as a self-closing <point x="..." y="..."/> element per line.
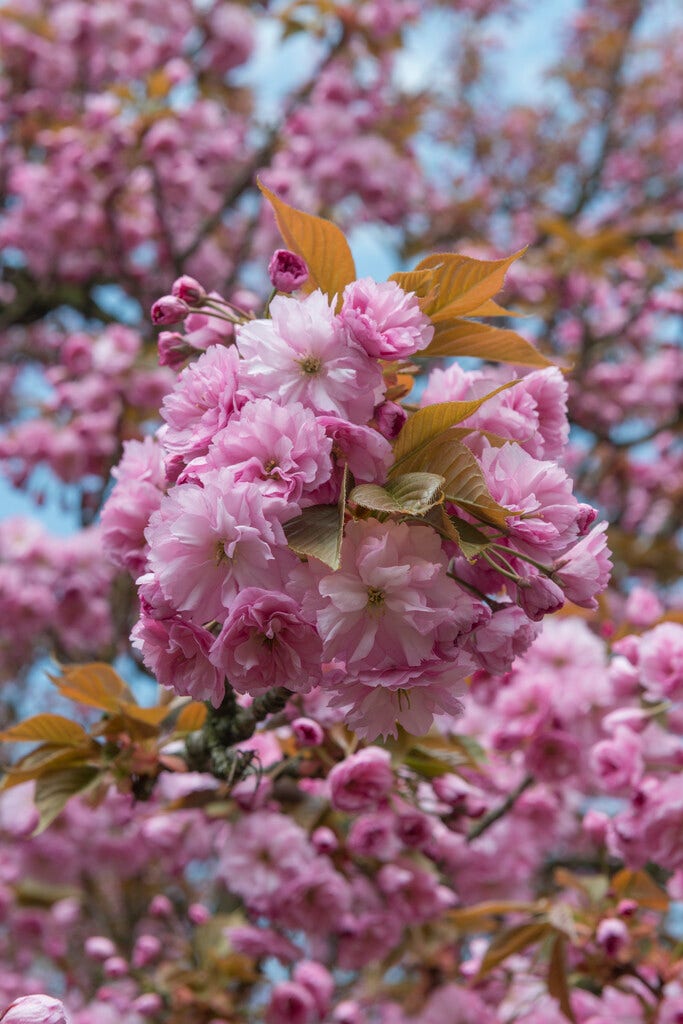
<point x="363" y="860"/>
<point x="256" y="432"/>
<point x="54" y="595"/>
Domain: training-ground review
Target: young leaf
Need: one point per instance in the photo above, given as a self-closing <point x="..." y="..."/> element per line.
<point x="558" y="986"/>
<point x="469" y="539"/>
<point x="477" y="918"/>
<point x="512" y="941"/>
<point x="467" y="338"/>
<point x="54" y="791"/>
<point x="426" y="424"/>
<point x="47" y="728"/>
<point x="43" y="760"/>
<point x="191" y="717"/>
<point x="637" y="885"/>
<point x="317" y="533"/>
<point x="464" y="485"/>
<point x="411" y="493"/>
<point x="417" y="281"/>
<point x="95" y="684"/>
<point x="319" y="242"/>
<point x="464" y="283"/>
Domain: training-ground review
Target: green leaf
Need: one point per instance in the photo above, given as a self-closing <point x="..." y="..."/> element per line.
<point x="469" y="539"/>
<point x="47" y="728"/>
<point x="464" y="485"/>
<point x="467" y="338"/>
<point x="318" y="532"/>
<point x="319" y="242"/>
<point x="54" y="791"/>
<point x="410" y="493"/>
<point x="426" y="424"/>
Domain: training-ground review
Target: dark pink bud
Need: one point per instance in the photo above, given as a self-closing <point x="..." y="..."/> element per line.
<point x="390" y="417"/>
<point x="173" y="349"/>
<point x="287" y="271"/>
<point x="115" y="967"/>
<point x="36" y="1009"/>
<point x="612" y="935"/>
<point x="189" y="290"/>
<point x="586" y="517"/>
<point x="307" y="732"/>
<point x="324" y="840"/>
<point x="148" y="1004"/>
<point x="169" y="310"/>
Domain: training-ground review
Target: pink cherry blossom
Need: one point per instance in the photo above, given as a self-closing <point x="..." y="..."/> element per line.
<point x="177" y="653"/>
<point x="303" y="355"/>
<point x="266" y="641"/>
<point x="362" y="781"/>
<point x="386" y="321"/>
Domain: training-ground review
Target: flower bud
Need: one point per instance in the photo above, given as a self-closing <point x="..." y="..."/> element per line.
<point x="324" y="840"/>
<point x="291" y="1003"/>
<point x="147" y="948"/>
<point x="115" y="967"/>
<point x="147" y="1004"/>
<point x="99" y="947"/>
<point x="307" y="732"/>
<point x="189" y="290"/>
<point x="612" y="935"/>
<point x="36" y="1009"/>
<point x="173" y="349"/>
<point x="390" y="417"/>
<point x="169" y="310"/>
<point x="287" y="271"/>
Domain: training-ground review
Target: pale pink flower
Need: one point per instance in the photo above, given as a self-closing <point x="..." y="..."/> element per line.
<point x="362" y="781"/>
<point x="660" y="660"/>
<point x="303" y="355"/>
<point x="374" y="835"/>
<point x="259" y="852"/>
<point x="584" y="570"/>
<point x="206" y="543"/>
<point x="137" y="493"/>
<point x="384" y="319"/>
<point x="177" y="653"/>
<point x="497" y="642"/>
<point x="541" y="491"/>
<point x="383" y="606"/>
<point x="367" y="454"/>
<point x="283" y="451"/>
<point x="266" y="641"/>
<point x="36" y="1009"/>
<point x="410" y="698"/>
<point x="617" y="763"/>
<point x="201" y="403"/>
<point x="319" y="982"/>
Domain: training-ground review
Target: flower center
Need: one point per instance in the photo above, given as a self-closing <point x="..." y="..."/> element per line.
<point x="219" y="553"/>
<point x="375" y="597"/>
<point x="269" y="469"/>
<point x="310" y="365"/>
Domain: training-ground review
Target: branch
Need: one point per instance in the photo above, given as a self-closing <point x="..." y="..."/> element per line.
<point x="499" y="812"/>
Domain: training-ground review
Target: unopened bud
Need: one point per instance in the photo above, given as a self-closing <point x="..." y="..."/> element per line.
<point x="189" y="290"/>
<point x="37" y="1009"/>
<point x="287" y="271"/>
<point x="169" y="310"/>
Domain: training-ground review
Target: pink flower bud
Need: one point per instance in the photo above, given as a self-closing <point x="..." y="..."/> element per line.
<point x="173" y="349"/>
<point x="99" y="947"/>
<point x="626" y="908"/>
<point x="307" y="732"/>
<point x="189" y="290"/>
<point x="324" y="840"/>
<point x="115" y="967"/>
<point x="36" y="1009"/>
<point x="160" y="906"/>
<point x="147" y="1004"/>
<point x="146" y="950"/>
<point x="169" y="310"/>
<point x="198" y="913"/>
<point x="287" y="271"/>
<point x="291" y="1003"/>
<point x="612" y="935"/>
<point x="390" y="417"/>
